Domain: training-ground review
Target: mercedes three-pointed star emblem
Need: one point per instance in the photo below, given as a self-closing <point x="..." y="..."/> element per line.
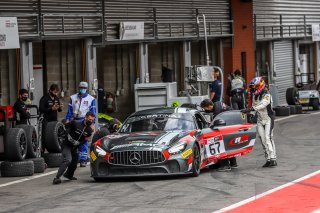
<point x="135" y="158"/>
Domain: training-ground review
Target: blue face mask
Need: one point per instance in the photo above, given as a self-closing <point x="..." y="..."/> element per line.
<point x="83" y="91"/>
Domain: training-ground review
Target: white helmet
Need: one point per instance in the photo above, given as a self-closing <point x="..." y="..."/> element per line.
<point x="83" y="84"/>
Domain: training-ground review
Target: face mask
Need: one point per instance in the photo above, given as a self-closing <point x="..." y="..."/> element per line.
<point x="83" y="91"/>
<point x="52" y="94"/>
<point x="88" y="123"/>
<point x="24" y="98"/>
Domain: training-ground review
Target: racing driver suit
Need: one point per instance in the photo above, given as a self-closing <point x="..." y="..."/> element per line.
<point x="262" y="104"/>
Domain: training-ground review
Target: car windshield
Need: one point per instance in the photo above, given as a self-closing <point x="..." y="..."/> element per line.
<point x="158" y="122"/>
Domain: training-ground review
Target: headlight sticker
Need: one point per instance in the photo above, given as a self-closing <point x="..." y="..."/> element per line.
<point x="93" y="156"/>
<point x="186" y="153"/>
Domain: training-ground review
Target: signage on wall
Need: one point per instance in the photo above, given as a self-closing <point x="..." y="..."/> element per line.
<point x="9" y="35"/>
<point x="131" y="30"/>
<point x="315" y="32"/>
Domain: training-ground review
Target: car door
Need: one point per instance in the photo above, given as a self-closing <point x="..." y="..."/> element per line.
<point x="238" y="139"/>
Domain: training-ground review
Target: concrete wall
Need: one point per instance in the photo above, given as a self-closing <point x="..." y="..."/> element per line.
<point x="116" y="67"/>
<point x="62" y="70"/>
<point x="4" y="77"/>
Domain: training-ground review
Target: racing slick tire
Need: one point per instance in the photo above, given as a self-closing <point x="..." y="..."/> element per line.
<point x="16" y="144"/>
<point x="282" y="111"/>
<point x="54" y="136"/>
<point x="196" y="160"/>
<point x="53" y="160"/>
<point x="292" y="109"/>
<point x="291" y="95"/>
<point x="39" y="164"/>
<point x="315" y="103"/>
<point x="298" y="109"/>
<point x="17" y="169"/>
<point x="33" y="146"/>
<point x="103" y="131"/>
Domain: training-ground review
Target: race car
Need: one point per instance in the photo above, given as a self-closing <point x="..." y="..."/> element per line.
<point x="170" y="141"/>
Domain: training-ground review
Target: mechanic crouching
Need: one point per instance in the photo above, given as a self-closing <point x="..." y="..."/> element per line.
<point x="216" y="108"/>
<point x="77" y="133"/>
<point x="261" y="101"/>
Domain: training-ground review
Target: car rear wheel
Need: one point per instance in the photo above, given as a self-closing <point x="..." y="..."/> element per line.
<point x="196" y="160"/>
<point x="291" y="95"/>
<point x="315" y="104"/>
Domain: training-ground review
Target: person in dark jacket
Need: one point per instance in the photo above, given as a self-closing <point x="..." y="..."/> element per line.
<point x="77" y="133"/>
<point x="22" y="114"/>
<point x="49" y="107"/>
<point x="215" y="87"/>
<point x="216" y="108"/>
<point x="50" y="104"/>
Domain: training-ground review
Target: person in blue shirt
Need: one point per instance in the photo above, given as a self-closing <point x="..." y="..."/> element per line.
<point x="215" y="87"/>
<point x="79" y="104"/>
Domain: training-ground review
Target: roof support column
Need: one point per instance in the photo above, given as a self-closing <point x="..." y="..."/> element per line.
<point x="26" y="64"/>
<point x="143" y="62"/>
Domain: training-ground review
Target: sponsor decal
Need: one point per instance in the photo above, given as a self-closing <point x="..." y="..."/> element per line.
<point x="135" y="146"/>
<point x="186" y="153"/>
<point x="93" y="156"/>
<point x="214" y="139"/>
<point x="239" y="140"/>
<point x="137" y="142"/>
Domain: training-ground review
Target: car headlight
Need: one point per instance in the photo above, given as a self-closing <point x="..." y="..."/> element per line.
<point x="177" y="148"/>
<point x="100" y="151"/>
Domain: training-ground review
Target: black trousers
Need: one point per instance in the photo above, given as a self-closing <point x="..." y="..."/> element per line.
<point x="228" y="162"/>
<point x="237" y="101"/>
<point x="70" y="159"/>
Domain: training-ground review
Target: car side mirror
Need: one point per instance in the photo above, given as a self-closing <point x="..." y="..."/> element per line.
<point x="218" y="123"/>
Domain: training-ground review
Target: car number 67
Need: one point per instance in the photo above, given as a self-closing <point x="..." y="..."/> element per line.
<point x="215" y="148"/>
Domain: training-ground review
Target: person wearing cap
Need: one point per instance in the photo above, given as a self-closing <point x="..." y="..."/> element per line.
<point x="79" y="104"/>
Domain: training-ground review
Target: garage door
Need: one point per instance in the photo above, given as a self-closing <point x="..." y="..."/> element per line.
<point x="284" y="67"/>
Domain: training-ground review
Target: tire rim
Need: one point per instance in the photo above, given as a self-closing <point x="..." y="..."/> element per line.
<point x="23" y="145"/>
<point x="35" y="144"/>
<point x="60" y="134"/>
<point x="196" y="158"/>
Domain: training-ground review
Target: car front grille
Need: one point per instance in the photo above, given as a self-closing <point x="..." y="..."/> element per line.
<point x="136" y="158"/>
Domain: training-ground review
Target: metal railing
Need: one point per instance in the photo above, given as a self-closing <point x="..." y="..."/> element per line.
<point x="28" y="24"/>
<point x="72" y="24"/>
<point x="170" y="30"/>
<point x="278" y="27"/>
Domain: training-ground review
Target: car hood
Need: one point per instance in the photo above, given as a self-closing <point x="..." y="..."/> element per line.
<point x="143" y="139"/>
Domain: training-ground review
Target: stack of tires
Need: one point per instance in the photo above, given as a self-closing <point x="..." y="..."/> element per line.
<point x="53" y="137"/>
<point x="22" y="152"/>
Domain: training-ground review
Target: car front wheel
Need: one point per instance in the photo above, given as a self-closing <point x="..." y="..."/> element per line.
<point x="196" y="160"/>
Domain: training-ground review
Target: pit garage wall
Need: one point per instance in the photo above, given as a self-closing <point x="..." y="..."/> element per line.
<point x="4" y="68"/>
<point x="64" y="66"/>
<point x="8" y="76"/>
<point x="117" y="73"/>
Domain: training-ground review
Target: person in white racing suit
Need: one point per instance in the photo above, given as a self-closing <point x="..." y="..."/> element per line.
<point x="261" y="103"/>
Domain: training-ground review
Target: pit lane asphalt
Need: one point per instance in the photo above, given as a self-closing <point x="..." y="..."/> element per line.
<point x="298" y="148"/>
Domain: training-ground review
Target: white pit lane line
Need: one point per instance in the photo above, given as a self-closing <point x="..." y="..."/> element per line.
<point x="52" y="172"/>
<point x="27" y="179"/>
<point x="241" y="203"/>
<point x="275" y="189"/>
